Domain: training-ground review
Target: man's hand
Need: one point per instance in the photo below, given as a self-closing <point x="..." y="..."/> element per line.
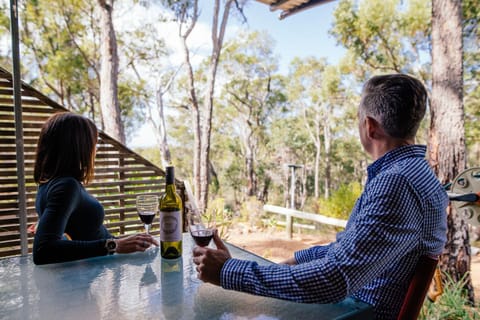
<point x="210" y="261"/>
<point x="290" y="261"/>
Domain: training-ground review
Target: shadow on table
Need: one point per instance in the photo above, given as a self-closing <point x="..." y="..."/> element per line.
<point x="212" y="302"/>
<point x="57" y="297"/>
<point x="89" y="289"/>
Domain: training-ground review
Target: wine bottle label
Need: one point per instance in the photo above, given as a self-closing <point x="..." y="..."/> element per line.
<point x="170" y="226"/>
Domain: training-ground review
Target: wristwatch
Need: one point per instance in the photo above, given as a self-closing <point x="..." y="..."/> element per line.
<point x="110" y="245"/>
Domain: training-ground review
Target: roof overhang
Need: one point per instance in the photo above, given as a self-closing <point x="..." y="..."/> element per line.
<point x="290" y="7"/>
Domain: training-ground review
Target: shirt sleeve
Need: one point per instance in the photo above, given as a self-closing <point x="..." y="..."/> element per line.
<point x="313" y="253"/>
<point x="384" y="229"/>
<point x="49" y="247"/>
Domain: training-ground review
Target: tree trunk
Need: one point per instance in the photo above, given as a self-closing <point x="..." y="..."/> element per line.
<point x="263" y="195"/>
<point x="303" y="191"/>
<point x="194" y="104"/>
<point x="206" y="130"/>
<point x="161" y="131"/>
<point x="315" y="135"/>
<point x="327" y="136"/>
<point x="317" y="170"/>
<point x="218" y="33"/>
<point x="286" y="189"/>
<point x="250" y="167"/>
<point x="109" y="74"/>
<point x="447" y="133"/>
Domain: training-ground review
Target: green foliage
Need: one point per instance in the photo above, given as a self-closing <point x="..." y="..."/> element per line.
<point x="252" y="98"/>
<point x="251" y="211"/>
<point x="257" y="111"/>
<point x="453" y="304"/>
<point x="384" y="36"/>
<point x="56" y="42"/>
<point x="60" y="55"/>
<point x="341" y="202"/>
<point x="152" y="154"/>
<point x="471" y="11"/>
<point x="219" y="215"/>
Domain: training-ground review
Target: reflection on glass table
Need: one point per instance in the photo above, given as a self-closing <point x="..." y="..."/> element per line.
<point x="143" y="286"/>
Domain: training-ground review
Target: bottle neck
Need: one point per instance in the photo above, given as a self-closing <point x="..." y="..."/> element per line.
<point x="170" y="188"/>
<point x="170" y="176"/>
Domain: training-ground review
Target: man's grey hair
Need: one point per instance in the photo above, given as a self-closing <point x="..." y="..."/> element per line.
<point x="397" y="101"/>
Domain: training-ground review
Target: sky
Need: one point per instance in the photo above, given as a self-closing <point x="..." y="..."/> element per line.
<point x="300" y="35"/>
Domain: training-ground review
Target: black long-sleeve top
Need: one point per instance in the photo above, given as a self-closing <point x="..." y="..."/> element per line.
<point x="64" y="206"/>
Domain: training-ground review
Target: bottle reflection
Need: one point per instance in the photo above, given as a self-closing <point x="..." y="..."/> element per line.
<point x="172" y="288"/>
<point x="148" y="277"/>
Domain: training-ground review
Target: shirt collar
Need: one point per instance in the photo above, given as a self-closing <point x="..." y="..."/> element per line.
<point x="400" y="153"/>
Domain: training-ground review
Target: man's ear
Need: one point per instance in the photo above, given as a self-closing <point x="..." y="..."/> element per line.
<point x="373" y="128"/>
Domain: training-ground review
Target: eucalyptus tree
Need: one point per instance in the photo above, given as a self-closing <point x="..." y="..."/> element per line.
<point x="384" y="36"/>
<point x="447" y="154"/>
<point x="187" y="14"/>
<point x="290" y="143"/>
<point x="317" y="88"/>
<point x="253" y="94"/>
<point x="6" y="52"/>
<point x="109" y="103"/>
<point x="61" y="57"/>
<point x="304" y="91"/>
<point x="147" y="56"/>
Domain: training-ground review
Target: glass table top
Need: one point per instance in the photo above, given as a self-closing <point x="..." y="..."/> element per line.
<point x="143" y="286"/>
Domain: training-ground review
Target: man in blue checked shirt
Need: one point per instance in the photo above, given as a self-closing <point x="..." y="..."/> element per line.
<point x="399" y="217"/>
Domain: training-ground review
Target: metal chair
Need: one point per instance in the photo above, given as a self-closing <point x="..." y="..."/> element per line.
<point x="418" y="288"/>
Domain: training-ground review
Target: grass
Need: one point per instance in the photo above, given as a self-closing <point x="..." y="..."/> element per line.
<point x="452" y="304"/>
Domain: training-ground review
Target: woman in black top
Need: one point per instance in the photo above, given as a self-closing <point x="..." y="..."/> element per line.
<point x="64" y="163"/>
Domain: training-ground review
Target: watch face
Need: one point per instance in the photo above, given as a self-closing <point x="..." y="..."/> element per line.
<point x="111" y="245"/>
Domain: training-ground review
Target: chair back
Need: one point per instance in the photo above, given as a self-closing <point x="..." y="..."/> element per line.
<point x="418" y="288"/>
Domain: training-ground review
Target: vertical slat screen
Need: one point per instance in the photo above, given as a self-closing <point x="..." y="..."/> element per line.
<point x="120" y="173"/>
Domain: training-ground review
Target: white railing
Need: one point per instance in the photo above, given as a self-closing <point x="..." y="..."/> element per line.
<point x="291" y="213"/>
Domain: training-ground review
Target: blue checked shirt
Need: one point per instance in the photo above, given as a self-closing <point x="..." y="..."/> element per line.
<point x="399" y="217"/>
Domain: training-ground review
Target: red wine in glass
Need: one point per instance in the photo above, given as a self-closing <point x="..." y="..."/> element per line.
<point x="202" y="237"/>
<point x="147" y="206"/>
<point x="147" y="216"/>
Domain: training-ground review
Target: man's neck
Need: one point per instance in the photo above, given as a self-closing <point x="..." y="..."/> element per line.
<point x="381" y="147"/>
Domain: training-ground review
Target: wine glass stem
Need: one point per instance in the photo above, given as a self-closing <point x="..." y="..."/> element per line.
<point x="147" y="228"/>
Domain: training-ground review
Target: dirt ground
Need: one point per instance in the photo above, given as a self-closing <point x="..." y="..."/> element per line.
<point x="275" y="246"/>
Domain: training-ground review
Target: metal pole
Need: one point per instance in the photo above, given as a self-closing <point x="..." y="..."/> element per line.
<point x="289" y="220"/>
<point x="17" y="101"/>
<point x="292" y="189"/>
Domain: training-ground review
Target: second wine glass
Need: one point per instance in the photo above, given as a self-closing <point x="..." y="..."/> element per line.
<point x="147" y="207"/>
<point x="201" y="234"/>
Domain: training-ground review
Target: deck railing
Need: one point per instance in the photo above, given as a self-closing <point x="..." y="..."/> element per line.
<point x="120" y="173"/>
<point x="291" y="213"/>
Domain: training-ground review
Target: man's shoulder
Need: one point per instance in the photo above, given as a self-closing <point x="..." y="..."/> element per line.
<point x="416" y="173"/>
<point x="413" y="171"/>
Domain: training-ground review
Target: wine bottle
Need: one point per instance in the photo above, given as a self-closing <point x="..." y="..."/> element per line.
<point x="170" y="219"/>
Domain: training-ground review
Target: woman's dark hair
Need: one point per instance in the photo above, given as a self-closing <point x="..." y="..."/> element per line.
<point x="66" y="147"/>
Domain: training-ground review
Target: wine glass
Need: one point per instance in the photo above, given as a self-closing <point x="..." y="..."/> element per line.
<point x="147" y="207"/>
<point x="202" y="234"/>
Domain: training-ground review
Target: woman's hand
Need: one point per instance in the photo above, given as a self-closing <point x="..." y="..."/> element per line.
<point x="133" y="243"/>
